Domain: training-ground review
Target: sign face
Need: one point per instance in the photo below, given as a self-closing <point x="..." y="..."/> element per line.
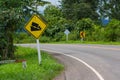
<point x="35" y="26"/>
<point x="82" y="34"/>
<point x="67" y="32"/>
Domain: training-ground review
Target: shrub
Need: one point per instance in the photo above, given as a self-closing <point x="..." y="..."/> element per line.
<point x="74" y="35"/>
<point x="45" y="39"/>
<point x="23" y="37"/>
<point x="113" y="31"/>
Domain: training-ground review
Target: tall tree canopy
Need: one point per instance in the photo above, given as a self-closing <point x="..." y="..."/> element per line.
<point x="78" y="9"/>
<point x="54" y="17"/>
<point x="12" y="14"/>
<point x="110" y="8"/>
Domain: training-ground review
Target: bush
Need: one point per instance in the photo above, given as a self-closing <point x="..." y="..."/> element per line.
<point x="45" y="39"/>
<point x="74" y="35"/>
<point x="112" y="31"/>
<point x="23" y="37"/>
<point x="58" y="36"/>
<point x="84" y="24"/>
<point x="97" y="34"/>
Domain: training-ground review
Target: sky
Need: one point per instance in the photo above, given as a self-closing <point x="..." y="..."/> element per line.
<point x="53" y="2"/>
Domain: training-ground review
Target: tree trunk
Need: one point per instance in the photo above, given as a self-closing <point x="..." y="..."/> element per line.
<point x="9" y="38"/>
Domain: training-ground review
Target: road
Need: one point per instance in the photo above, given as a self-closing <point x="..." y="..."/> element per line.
<point x="86" y="62"/>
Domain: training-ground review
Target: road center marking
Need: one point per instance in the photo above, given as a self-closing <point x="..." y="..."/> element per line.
<point x="90" y="67"/>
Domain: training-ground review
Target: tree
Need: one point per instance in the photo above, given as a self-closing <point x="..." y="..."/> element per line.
<point x="82" y="10"/>
<point x="53" y="16"/>
<point x="113" y="31"/>
<point x="12" y="14"/>
<point x="86" y="25"/>
<point x="57" y="24"/>
<point x="78" y="9"/>
<point x="110" y="8"/>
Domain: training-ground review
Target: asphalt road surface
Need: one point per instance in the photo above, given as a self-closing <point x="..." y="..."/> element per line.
<point x="86" y="62"/>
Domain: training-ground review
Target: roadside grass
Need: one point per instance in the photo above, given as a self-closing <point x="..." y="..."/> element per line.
<point x="48" y="69"/>
<point x="86" y="42"/>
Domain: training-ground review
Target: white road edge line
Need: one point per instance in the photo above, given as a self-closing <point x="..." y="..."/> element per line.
<point x="90" y="67"/>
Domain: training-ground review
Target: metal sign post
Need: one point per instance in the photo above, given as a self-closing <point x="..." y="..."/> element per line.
<point x="66" y="32"/>
<point x="66" y="37"/>
<point x="38" y="48"/>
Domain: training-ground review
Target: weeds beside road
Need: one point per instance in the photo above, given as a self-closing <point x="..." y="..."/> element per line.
<point x="46" y="71"/>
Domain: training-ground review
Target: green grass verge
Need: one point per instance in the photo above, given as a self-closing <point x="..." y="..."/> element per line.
<point x="46" y="71"/>
<point x="86" y="42"/>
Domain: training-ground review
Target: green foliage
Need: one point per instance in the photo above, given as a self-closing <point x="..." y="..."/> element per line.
<point x="23" y="37"/>
<point x="46" y="71"/>
<point x="57" y="24"/>
<point x="74" y="35"/>
<point x="110" y="8"/>
<point x="98" y="34"/>
<point x="113" y="31"/>
<point x="78" y="9"/>
<point x="78" y="15"/>
<point x="58" y="36"/>
<point x="85" y="24"/>
<point x="52" y="11"/>
<point x="82" y="10"/>
<point x="82" y="15"/>
<point x="12" y="15"/>
<point x="45" y="39"/>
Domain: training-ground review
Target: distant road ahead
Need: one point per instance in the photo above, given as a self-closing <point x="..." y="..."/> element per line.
<point x="86" y="62"/>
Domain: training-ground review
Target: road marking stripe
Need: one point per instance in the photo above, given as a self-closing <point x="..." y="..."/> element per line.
<point x="90" y="67"/>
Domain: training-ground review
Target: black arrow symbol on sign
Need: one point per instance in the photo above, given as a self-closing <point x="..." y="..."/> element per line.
<point x="35" y="27"/>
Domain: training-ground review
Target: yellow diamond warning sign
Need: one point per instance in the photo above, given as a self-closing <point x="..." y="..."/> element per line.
<point x="36" y="26"/>
<point x="82" y="34"/>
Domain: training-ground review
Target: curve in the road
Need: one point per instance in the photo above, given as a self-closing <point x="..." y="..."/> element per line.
<point x="90" y="67"/>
